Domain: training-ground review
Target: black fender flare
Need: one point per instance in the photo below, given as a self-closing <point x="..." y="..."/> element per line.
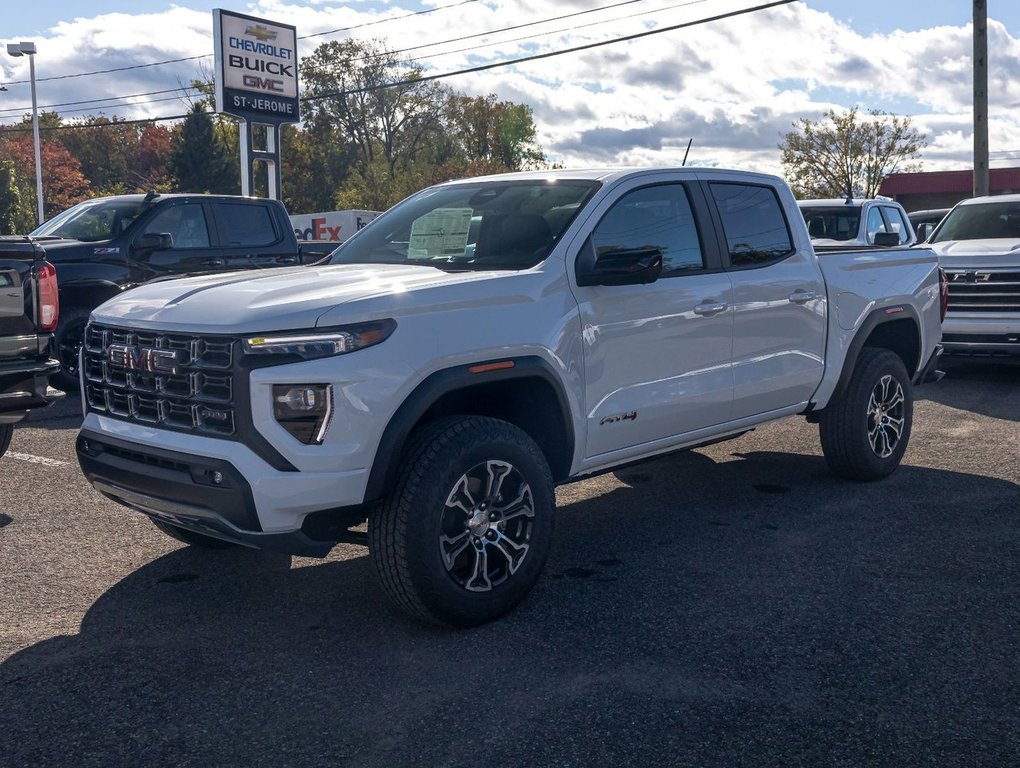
<point x="444" y="382"/>
<point x="877" y="317"/>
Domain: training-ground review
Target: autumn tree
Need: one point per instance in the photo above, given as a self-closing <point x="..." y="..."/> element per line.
<point x="849" y="154"/>
<point x="15" y="217"/>
<point x="63" y="182"/>
<point x="149" y="165"/>
<point x="198" y="160"/>
<point x="105" y="148"/>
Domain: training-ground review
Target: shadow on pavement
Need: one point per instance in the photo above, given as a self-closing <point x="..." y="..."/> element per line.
<point x="750" y="611"/>
<point x="976" y="385"/>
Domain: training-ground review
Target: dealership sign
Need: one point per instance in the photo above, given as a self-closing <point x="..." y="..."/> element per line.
<point x="256" y="68"/>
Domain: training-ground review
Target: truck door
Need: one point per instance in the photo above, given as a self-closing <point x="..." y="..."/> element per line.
<point x="251" y="238"/>
<point x="778" y="301"/>
<point x="193" y="248"/>
<point x="657" y="356"/>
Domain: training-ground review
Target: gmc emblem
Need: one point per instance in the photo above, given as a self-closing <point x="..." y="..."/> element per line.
<point x="148" y="359"/>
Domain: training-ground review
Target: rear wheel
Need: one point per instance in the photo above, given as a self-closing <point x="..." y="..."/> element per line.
<point x="465" y="534"/>
<point x="865" y="433"/>
<point x="69" y="337"/>
<point x="190" y="537"/>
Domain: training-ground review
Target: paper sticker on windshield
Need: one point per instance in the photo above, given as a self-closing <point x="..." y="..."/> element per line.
<point x="440" y="233"/>
<point x="104" y="251"/>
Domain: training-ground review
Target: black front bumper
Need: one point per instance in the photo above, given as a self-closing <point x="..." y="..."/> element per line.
<point x="207" y="496"/>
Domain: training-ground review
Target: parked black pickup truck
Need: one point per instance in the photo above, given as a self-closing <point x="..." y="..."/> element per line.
<point x="28" y="316"/>
<point x="102" y="247"/>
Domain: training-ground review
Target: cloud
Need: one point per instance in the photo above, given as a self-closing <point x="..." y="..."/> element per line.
<point x="734" y="86"/>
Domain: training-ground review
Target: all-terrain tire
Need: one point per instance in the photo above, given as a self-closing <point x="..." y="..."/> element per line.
<point x="865" y="433"/>
<point x="465" y="534"/>
<point x="190" y="537"/>
<point x="68" y="340"/>
<point x="6" y="432"/>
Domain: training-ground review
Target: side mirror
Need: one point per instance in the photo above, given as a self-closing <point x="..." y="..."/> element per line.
<point x="154" y="241"/>
<point x="623" y="266"/>
<point x="887" y="239"/>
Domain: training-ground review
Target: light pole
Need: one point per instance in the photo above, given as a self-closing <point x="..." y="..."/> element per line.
<point x="28" y="49"/>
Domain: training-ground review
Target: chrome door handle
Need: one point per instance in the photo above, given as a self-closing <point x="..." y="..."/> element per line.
<point x="800" y="296"/>
<point x="710" y="308"/>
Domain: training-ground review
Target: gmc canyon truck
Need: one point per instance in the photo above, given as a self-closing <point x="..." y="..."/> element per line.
<point x="978" y="246"/>
<point x="102" y="247"/>
<point x="28" y="317"/>
<point x="482" y="342"/>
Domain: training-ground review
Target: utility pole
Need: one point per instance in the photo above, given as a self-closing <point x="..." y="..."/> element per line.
<point x="980" y="97"/>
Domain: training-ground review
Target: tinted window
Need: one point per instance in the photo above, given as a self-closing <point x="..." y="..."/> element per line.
<point x="832" y="223"/>
<point x="980" y="221"/>
<point x="185" y="224"/>
<point x="246" y="224"/>
<point x="875" y="224"/>
<point x="753" y="220"/>
<point x="92" y="220"/>
<point x="659" y="217"/>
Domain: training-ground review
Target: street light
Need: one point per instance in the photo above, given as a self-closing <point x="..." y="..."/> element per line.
<point x="28" y="49"/>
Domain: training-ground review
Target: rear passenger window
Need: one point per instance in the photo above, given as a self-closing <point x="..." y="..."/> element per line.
<point x="753" y="220"/>
<point x="658" y="216"/>
<point x="246" y="224"/>
<point x="894" y="218"/>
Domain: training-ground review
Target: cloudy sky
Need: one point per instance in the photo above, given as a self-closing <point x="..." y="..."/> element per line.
<point x="733" y="85"/>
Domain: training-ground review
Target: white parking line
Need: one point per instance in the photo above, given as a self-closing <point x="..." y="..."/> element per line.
<point x="36" y="459"/>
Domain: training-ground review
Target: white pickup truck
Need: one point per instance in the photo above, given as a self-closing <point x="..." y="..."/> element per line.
<point x="483" y="341"/>
<point x="978" y="246"/>
<point x="857" y="222"/>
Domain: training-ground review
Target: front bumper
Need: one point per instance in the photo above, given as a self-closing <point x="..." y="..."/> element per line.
<point x="981" y="335"/>
<point x="236" y="498"/>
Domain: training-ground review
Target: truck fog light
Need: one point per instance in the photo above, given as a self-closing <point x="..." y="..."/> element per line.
<point x="304" y="410"/>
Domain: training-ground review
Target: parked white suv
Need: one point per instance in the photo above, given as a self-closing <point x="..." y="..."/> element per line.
<point x="483" y="341"/>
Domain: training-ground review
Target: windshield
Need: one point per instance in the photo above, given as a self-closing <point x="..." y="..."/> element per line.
<point x="91" y="221"/>
<point x="832" y="223"/>
<point x="481" y="226"/>
<point x="982" y="221"/>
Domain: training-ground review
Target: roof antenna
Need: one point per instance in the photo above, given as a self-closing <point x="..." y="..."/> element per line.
<point x="687" y="150"/>
<point x="150" y="196"/>
<point x="849" y="192"/>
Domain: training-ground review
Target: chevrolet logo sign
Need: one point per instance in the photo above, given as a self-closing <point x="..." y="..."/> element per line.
<point x="147" y="359"/>
<point x="971" y="277"/>
<point x="261" y="33"/>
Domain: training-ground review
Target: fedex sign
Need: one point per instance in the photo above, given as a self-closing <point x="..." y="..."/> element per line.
<point x="330" y="226"/>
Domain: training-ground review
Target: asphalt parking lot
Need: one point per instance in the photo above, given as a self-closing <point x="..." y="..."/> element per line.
<point x="732" y="606"/>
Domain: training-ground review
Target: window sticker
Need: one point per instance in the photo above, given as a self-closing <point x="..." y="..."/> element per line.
<point x="440" y="233"/>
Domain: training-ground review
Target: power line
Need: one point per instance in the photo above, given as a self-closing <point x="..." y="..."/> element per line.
<point x="106" y="98"/>
<point x="480" y="68"/>
<point x="550" y="54"/>
<point x="207" y="55"/>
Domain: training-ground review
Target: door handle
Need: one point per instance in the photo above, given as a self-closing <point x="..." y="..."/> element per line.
<point x="710" y="308"/>
<point x="801" y="296"/>
<point x="287" y="260"/>
<point x="215" y="262"/>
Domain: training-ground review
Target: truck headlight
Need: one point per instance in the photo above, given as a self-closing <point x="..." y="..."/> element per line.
<point x="326" y="343"/>
<point x="304" y="410"/>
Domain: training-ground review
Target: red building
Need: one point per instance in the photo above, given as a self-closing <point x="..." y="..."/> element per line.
<point x="944" y="189"/>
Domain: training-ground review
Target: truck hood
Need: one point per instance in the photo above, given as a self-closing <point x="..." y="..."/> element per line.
<point x="287" y="298"/>
<point x="978" y="254"/>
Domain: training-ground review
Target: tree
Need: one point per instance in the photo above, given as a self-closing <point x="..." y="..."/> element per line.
<point x="198" y="159"/>
<point x="105" y="148"/>
<point x="63" y="182"/>
<point x="849" y="154"/>
<point x="14" y="216"/>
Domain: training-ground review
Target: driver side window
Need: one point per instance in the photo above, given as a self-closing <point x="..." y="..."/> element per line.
<point x="659" y="216"/>
<point x="185" y="223"/>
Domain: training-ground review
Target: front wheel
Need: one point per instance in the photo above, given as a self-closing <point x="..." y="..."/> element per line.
<point x="465" y="534"/>
<point x="6" y="432"/>
<point x="865" y="433"/>
<point x="69" y="337"/>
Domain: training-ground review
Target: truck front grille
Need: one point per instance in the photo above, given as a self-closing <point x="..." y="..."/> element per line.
<point x="984" y="290"/>
<point x="175" y="381"/>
